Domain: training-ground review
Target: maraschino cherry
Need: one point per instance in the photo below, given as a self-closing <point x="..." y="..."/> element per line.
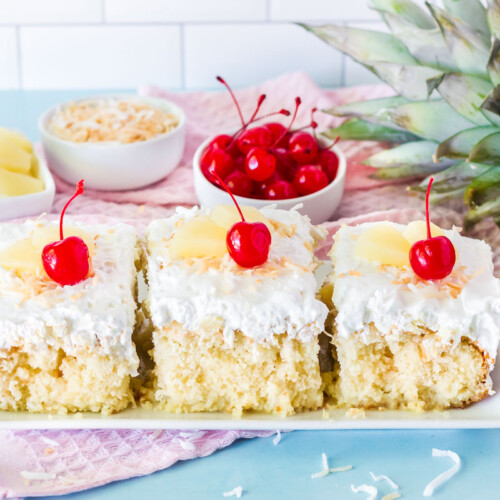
<point x="248" y="243"/>
<point x="433" y="258"/>
<point x="67" y="261"/>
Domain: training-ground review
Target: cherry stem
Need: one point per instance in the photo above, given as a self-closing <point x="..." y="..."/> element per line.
<point x="78" y="192"/>
<point x="334" y="143"/>
<point x="224" y="185"/>
<point x="262" y="98"/>
<point x="221" y="80"/>
<point x="314" y="125"/>
<point x="298" y="102"/>
<point x="284" y="112"/>
<point x="431" y="180"/>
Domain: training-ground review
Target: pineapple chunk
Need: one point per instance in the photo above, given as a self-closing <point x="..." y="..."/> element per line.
<point x="25" y="256"/>
<point x="383" y="243"/>
<point x="227" y="215"/>
<point x="22" y="257"/>
<point x="417" y="230"/>
<point x="198" y="237"/>
<point x="16" y="138"/>
<point x="17" y="184"/>
<point x="14" y="158"/>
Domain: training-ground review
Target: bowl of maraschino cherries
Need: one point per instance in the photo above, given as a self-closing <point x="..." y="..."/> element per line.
<point x="267" y="162"/>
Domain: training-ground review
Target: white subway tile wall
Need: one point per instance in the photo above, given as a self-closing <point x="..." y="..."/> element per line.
<point x="178" y="44"/>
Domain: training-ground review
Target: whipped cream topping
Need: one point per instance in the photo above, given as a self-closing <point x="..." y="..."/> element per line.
<point x="466" y="303"/>
<point x="278" y="297"/>
<point x="98" y="313"/>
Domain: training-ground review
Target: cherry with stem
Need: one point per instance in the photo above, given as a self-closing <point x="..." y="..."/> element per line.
<point x="67" y="261"/>
<point x="248" y="243"/>
<point x="432" y="258"/>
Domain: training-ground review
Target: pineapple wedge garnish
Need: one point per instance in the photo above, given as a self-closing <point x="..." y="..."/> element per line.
<point x="25" y="256"/>
<point x="198" y="237"/>
<point x="417" y="231"/>
<point x="227" y="215"/>
<point x="383" y="243"/>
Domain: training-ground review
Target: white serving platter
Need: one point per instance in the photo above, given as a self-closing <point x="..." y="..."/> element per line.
<point x="482" y="415"/>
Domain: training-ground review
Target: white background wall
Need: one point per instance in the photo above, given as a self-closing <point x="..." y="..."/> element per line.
<point x="179" y="44"/>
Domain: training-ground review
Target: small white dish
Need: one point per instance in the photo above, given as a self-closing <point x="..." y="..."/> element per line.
<point x="13" y="207"/>
<point x="112" y="165"/>
<point x="319" y="206"/>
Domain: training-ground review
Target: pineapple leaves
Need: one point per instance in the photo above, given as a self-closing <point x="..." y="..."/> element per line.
<point x="487" y="151"/>
<point x="361" y="130"/>
<point x="491" y="106"/>
<point x="410" y="170"/>
<point x="483" y="197"/>
<point x="469" y="48"/>
<point x="367" y="108"/>
<point x="464" y="93"/>
<point x="419" y="152"/>
<point x="406" y="10"/>
<point x="493" y="15"/>
<point x="460" y="145"/>
<point x="432" y="120"/>
<point x="472" y="12"/>
<point x="494" y="62"/>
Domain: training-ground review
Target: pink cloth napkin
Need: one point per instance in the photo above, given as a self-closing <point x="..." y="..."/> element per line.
<point x="75" y="460"/>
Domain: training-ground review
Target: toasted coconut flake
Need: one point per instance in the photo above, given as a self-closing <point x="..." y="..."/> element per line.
<point x="391" y="496"/>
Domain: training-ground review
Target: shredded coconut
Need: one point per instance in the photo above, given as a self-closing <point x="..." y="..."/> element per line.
<point x="445" y="476"/>
<point x="49" y="441"/>
<point x="156" y="433"/>
<point x="236" y="492"/>
<point x="37" y="476"/>
<point x="391" y="496"/>
<point x="326" y="470"/>
<point x="365" y="488"/>
<point x="277" y="439"/>
<point x="381" y="477"/>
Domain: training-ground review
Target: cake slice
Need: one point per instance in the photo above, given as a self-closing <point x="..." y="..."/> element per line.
<point x="403" y="342"/>
<point x="228" y="338"/>
<point x="67" y="348"/>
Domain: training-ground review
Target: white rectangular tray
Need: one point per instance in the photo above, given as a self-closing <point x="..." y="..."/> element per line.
<point x="485" y="414"/>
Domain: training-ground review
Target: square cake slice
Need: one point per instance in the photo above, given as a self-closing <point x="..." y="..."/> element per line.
<point x="227" y="338"/>
<point x="67" y="348"/>
<point x="401" y="341"/>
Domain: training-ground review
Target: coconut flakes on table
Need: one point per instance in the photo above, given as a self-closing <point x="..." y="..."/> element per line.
<point x="381" y="477"/>
<point x="445" y="476"/>
<point x="366" y="488"/>
<point x="236" y="492"/>
<point x="277" y="439"/>
<point x="326" y="470"/>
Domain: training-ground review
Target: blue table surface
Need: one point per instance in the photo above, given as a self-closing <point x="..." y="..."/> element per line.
<point x="284" y="471"/>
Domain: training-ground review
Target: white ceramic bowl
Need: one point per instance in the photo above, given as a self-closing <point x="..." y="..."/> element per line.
<point x="319" y="206"/>
<point x="111" y="165"/>
<point x="30" y="204"/>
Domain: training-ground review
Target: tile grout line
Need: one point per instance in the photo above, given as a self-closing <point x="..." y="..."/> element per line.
<point x="182" y="49"/>
<point x="19" y="58"/>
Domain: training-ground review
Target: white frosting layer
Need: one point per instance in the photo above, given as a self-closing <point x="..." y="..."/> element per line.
<point x="364" y="293"/>
<point x="98" y="313"/>
<point x="279" y="297"/>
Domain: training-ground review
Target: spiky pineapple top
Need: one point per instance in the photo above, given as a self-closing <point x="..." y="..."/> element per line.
<point x="444" y="62"/>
